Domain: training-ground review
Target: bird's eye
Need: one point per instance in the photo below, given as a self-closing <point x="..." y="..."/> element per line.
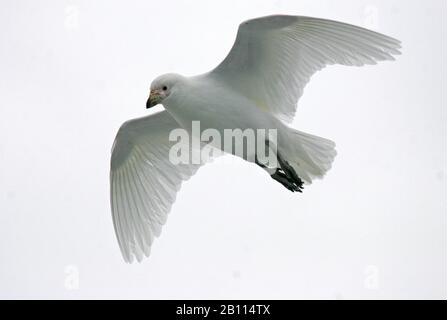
<point x="165" y="88"/>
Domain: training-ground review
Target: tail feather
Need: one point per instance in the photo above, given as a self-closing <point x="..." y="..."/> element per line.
<point x="309" y="155"/>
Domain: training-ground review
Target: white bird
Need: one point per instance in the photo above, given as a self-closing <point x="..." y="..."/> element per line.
<point x="257" y="86"/>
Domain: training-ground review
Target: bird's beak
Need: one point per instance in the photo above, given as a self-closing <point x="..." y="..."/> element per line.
<point x="154" y="99"/>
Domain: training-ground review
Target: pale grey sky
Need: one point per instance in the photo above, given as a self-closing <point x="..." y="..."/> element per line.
<point x="73" y="71"/>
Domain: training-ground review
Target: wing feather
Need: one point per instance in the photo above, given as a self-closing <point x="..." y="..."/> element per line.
<point x="143" y="182"/>
<point x="274" y="57"/>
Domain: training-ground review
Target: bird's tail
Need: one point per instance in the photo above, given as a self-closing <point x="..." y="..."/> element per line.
<point x="309" y="155"/>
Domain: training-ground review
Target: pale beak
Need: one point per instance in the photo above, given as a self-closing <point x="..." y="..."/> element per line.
<point x="154" y="99"/>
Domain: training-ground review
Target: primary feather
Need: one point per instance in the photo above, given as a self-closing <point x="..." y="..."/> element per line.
<point x="143" y="182"/>
<point x="274" y="57"/>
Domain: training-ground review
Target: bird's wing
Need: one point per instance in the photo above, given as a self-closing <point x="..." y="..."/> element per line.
<point x="274" y="57"/>
<point x="143" y="182"/>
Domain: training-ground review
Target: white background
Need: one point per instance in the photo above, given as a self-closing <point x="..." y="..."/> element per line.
<point x="72" y="71"/>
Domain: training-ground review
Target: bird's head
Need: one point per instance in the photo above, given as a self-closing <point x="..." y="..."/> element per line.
<point x="162" y="87"/>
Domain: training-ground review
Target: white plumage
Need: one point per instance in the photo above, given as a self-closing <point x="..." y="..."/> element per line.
<point x="257" y="86"/>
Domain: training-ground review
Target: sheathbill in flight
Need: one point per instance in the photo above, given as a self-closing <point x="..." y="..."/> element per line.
<point x="257" y="86"/>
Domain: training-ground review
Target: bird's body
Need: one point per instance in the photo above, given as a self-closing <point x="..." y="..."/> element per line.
<point x="255" y="88"/>
<point x="217" y="106"/>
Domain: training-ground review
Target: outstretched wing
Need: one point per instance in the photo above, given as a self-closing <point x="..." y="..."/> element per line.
<point x="274" y="57"/>
<point x="143" y="182"/>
